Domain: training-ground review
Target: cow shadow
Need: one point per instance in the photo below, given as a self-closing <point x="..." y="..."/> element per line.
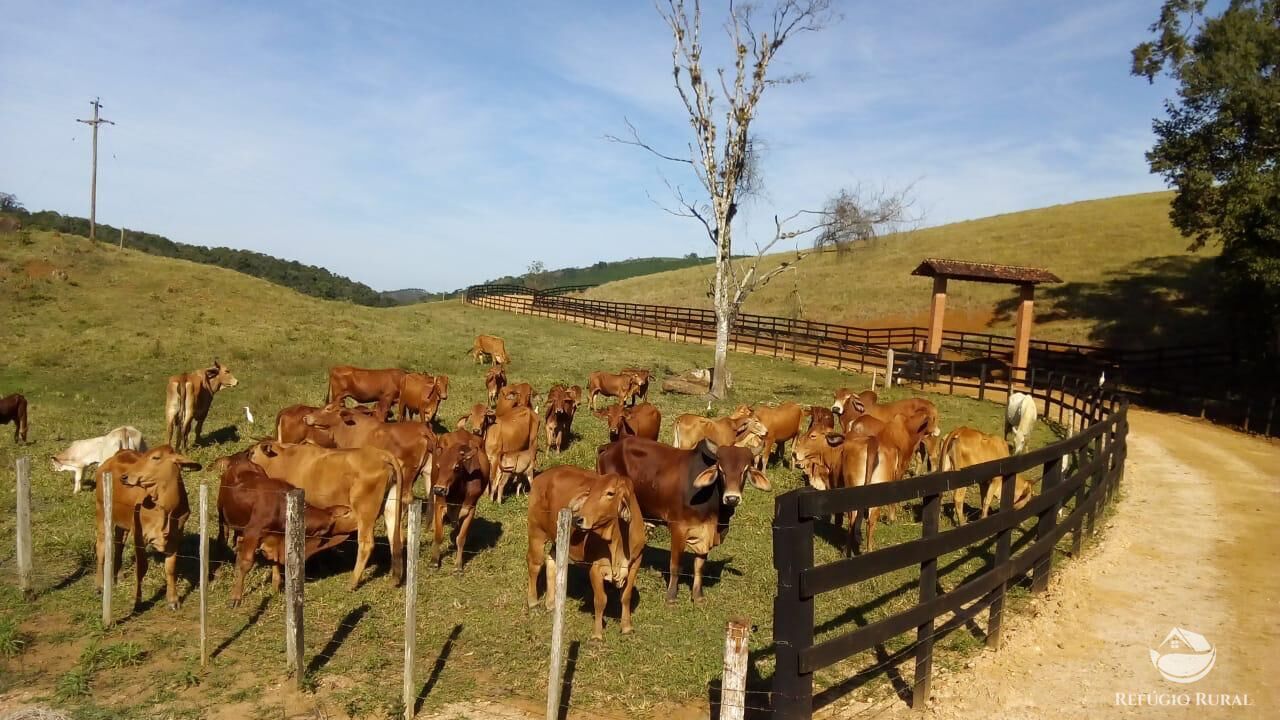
<point x="659" y="558"/>
<point x="221" y="436"/>
<point x="483" y="535"/>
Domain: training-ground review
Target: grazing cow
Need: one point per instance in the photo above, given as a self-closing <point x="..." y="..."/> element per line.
<point x="781" y="423"/>
<point x="492" y="347"/>
<point x="514" y="396"/>
<point x="511" y="444"/>
<point x="1020" y="418"/>
<point x="740" y="428"/>
<point x="616" y="385"/>
<point x="252" y="505"/>
<point x="410" y="443"/>
<point x="188" y="398"/>
<point x="494" y="381"/>
<point x="562" y="404"/>
<point x="13" y="409"/>
<point x="459" y="478"/>
<point x="852" y="406"/>
<point x="476" y="421"/>
<point x="364" y="385"/>
<point x="642" y="420"/>
<point x="94" y="451"/>
<point x="693" y="491"/>
<point x="607" y="534"/>
<point x="358" y="478"/>
<point x="964" y="447"/>
<point x="834" y="460"/>
<point x="420" y="396"/>
<point x="149" y="501"/>
<point x="642" y="383"/>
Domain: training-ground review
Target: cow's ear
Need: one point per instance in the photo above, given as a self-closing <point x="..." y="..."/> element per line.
<point x="707" y="477"/>
<point x="269" y="449"/>
<point x="575" y="505"/>
<point x="211" y="373"/>
<point x="338" y="512"/>
<point x="835" y="439"/>
<point x="857" y="405"/>
<point x="709" y="449"/>
<point x="760" y="480"/>
<point x="624" y="508"/>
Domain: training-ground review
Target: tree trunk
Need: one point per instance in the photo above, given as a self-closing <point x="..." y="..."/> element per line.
<point x="724" y="315"/>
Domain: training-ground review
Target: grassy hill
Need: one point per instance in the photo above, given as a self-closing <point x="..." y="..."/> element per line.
<point x="1128" y="280"/>
<point x="91" y="335"/>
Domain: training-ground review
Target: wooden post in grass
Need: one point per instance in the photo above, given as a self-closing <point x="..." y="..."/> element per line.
<point x="24" y="526"/>
<point x="888" y="368"/>
<point x="204" y="574"/>
<point x="557" y="623"/>
<point x="411" y="605"/>
<point x="109" y="541"/>
<point x="294" y="529"/>
<point x="733" y="685"/>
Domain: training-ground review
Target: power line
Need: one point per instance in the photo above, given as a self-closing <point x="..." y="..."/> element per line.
<point x="93" y="183"/>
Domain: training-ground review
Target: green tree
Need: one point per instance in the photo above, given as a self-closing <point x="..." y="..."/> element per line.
<point x="9" y="203"/>
<point x="1219" y="147"/>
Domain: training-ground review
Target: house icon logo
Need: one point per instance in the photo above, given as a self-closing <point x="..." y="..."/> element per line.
<point x="1184" y="656"/>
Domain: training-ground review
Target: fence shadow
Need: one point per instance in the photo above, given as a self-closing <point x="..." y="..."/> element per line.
<point x="437" y="668"/>
<point x="248" y="623"/>
<point x="566" y="685"/>
<point x="340" y="635"/>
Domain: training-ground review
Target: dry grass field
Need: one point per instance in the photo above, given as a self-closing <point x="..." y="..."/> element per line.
<point x="1128" y="279"/>
<point x="92" y="333"/>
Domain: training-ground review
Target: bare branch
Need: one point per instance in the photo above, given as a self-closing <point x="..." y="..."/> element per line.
<point x="636" y="141"/>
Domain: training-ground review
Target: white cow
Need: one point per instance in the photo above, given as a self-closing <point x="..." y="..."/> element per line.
<point x="1020" y="417"/>
<point x="83" y="453"/>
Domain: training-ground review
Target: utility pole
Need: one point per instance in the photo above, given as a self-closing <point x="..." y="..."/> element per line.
<point x="93" y="184"/>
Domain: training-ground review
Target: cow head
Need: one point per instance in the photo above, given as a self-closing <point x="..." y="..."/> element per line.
<point x="496" y="378"/>
<point x="442" y="386"/>
<point x="732" y="466"/>
<point x="158" y="472"/>
<point x="218" y="376"/>
<point x="477" y="421"/>
<point x="814" y="455"/>
<point x="321" y="521"/>
<point x="605" y="502"/>
<point x="821" y="418"/>
<point x="615" y="416"/>
<point x="456" y="462"/>
<point x="332" y="417"/>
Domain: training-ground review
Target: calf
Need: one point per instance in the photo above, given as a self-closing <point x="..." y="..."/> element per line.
<point x="149" y="501"/>
<point x="607" y="533"/>
<point x="364" y="385"/>
<point x="642" y="420"/>
<point x="410" y="443"/>
<point x="617" y="385"/>
<point x="642" y="383"/>
<point x="835" y="460"/>
<point x="514" y="396"/>
<point x="693" y="491"/>
<point x="494" y="381"/>
<point x="476" y="421"/>
<point x="781" y="423"/>
<point x="491" y="347"/>
<point x="188" y="398"/>
<point x="83" y="453"/>
<point x="740" y="428"/>
<point x="421" y="395"/>
<point x="13" y="409"/>
<point x="253" y="506"/>
<point x="459" y="478"/>
<point x="964" y="447"/>
<point x="511" y="444"/>
<point x="562" y="404"/>
<point x="1020" y="419"/>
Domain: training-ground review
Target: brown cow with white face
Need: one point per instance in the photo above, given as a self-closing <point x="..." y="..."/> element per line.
<point x="149" y="501"/>
<point x="490" y="347"/>
<point x="188" y="398"/>
<point x="642" y="420"/>
<point x="562" y="404"/>
<point x="607" y="534"/>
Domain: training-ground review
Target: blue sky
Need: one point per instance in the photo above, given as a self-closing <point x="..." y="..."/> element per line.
<point x="439" y="144"/>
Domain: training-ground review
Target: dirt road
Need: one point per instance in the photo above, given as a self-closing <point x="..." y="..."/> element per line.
<point x="1192" y="545"/>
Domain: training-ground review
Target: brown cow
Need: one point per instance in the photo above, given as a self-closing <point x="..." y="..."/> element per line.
<point x="821" y="419"/>
<point x="851" y="406"/>
<point x="149" y="501"/>
<point x="421" y="395"/>
<point x="741" y="428"/>
<point x="616" y="385"/>
<point x="364" y="385"/>
<point x="643" y="376"/>
<point x="494" y="381"/>
<point x="833" y="460"/>
<point x="562" y="404"/>
<point x="693" y="491"/>
<point x="781" y="423"/>
<point x="490" y="346"/>
<point x="13" y="409"/>
<point x="410" y="443"/>
<point x="359" y="478"/>
<point x="514" y="396"/>
<point x="476" y="421"/>
<point x="252" y="505"/>
<point x="643" y="420"/>
<point x="964" y="447"/>
<point x="459" y="478"/>
<point x="290" y="427"/>
<point x="511" y="444"/>
<point x="607" y="533"/>
<point x="188" y="398"/>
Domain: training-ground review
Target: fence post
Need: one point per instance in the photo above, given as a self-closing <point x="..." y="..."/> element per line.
<point x="930" y="514"/>
<point x="792" y="610"/>
<point x="982" y="381"/>
<point x="414" y="533"/>
<point x="204" y="573"/>
<point x="995" y="614"/>
<point x="293" y="587"/>
<point x="1051" y="477"/>
<point x="109" y="540"/>
<point x="23" y="530"/>
<point x="554" y="677"/>
<point x="888" y="369"/>
<point x="733" y="684"/>
<point x="951" y="383"/>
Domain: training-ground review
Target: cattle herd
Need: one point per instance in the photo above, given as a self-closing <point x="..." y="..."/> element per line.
<point x="360" y="463"/>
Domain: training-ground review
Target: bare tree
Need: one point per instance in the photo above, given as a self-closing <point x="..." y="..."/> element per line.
<point x="724" y="158"/>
